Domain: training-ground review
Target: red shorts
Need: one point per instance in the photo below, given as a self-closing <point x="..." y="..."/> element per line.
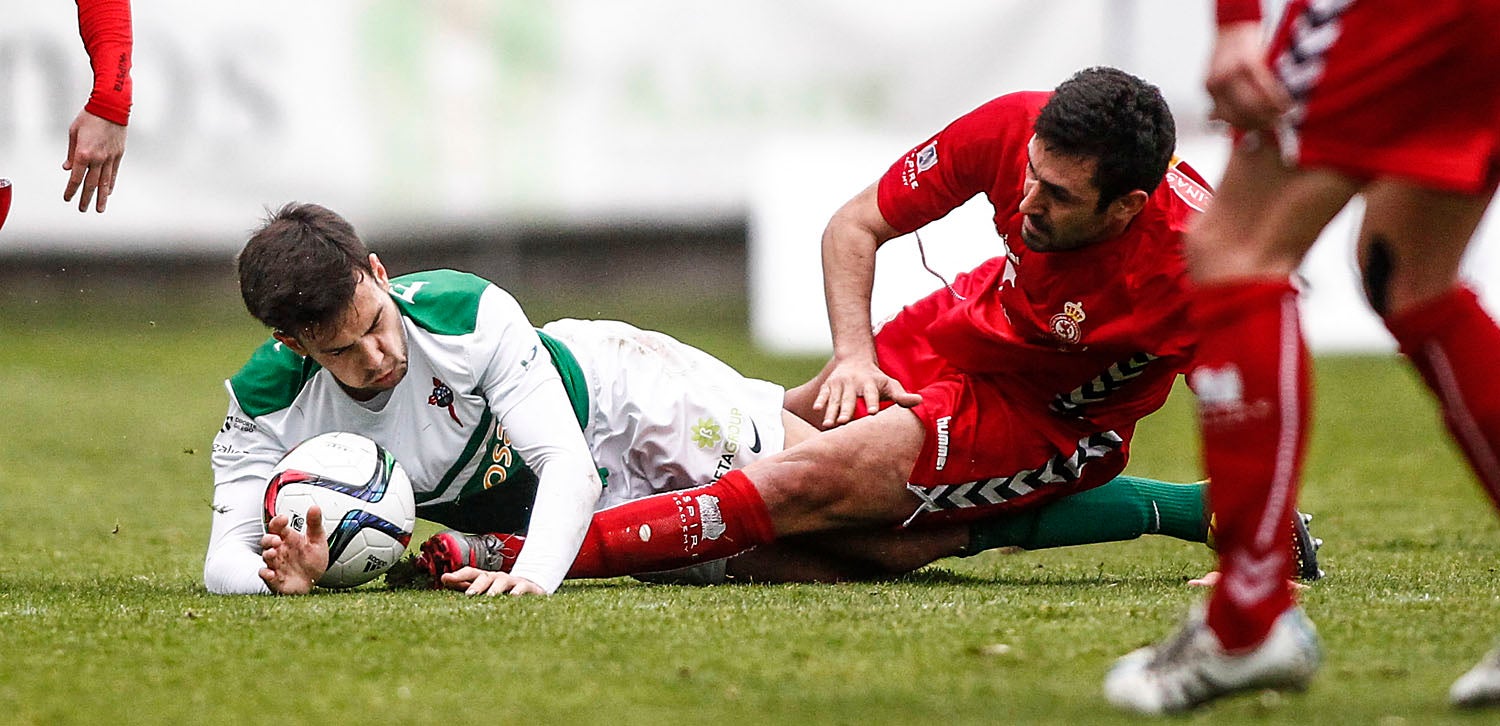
<point x="986" y="449"/>
<point x="1393" y="88"/>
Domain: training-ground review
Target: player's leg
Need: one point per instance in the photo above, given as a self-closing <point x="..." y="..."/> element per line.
<point x="1251" y="375"/>
<point x="1252" y="382"/>
<point x="852" y="476"/>
<point x="1411" y="245"/>
<point x="1123" y="509"/>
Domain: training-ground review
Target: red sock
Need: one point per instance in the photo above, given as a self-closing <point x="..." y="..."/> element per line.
<point x="1454" y="344"/>
<point x="675" y="529"/>
<point x="1251" y="376"/>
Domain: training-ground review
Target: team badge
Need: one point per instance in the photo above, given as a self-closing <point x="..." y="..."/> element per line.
<point x="442" y="397"/>
<point x="1065" y="325"/>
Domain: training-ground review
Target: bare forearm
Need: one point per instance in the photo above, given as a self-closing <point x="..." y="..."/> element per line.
<point x="853" y="235"/>
<point x="848" y="278"/>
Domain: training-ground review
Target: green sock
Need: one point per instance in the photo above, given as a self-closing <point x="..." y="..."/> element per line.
<point x="1123" y="509"/>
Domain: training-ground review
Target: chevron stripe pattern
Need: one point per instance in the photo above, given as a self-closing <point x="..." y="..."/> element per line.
<point x="1300" y="65"/>
<point x="1073" y="403"/>
<point x="1059" y="469"/>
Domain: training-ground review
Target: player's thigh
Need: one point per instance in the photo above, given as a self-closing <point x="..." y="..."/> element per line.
<point x="665" y="415"/>
<point x="854" y="475"/>
<point x="795" y="430"/>
<point x="1264" y="216"/>
<point x="1413" y="240"/>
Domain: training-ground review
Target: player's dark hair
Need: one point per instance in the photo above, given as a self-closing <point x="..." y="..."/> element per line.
<point x="299" y="271"/>
<point x="1120" y="120"/>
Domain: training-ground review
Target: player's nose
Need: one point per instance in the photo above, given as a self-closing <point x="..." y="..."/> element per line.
<point x="1031" y="203"/>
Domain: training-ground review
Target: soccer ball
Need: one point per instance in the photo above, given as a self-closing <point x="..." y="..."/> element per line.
<point x="368" y="506"/>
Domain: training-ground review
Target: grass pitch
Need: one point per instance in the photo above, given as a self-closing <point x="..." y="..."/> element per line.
<point x="108" y="410"/>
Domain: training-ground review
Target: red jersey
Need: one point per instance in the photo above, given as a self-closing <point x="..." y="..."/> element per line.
<point x="104" y="26"/>
<point x="1083" y="340"/>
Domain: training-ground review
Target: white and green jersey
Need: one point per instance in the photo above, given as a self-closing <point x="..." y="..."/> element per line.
<point x="483" y="393"/>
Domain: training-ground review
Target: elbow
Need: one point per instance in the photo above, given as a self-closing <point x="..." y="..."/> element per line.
<point x="220" y="578"/>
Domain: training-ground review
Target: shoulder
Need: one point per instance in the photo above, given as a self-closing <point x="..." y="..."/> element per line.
<point x="444" y="302"/>
<point x="271" y="379"/>
<point x="1182" y="195"/>
<point x="1022" y="104"/>
<point x="1009" y="118"/>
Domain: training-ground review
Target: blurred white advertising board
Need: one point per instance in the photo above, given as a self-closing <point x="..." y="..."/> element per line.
<point x="470" y="115"/>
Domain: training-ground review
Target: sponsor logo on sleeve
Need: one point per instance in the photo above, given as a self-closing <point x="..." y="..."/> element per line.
<point x="917" y="162"/>
<point x="237" y="424"/>
<point x="927" y="157"/>
<point x="1192" y="193"/>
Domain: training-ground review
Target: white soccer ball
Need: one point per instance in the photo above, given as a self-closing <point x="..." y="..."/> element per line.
<point x="368" y="506"/>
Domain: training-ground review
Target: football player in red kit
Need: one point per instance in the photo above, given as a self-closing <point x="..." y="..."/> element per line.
<point x="96" y="138"/>
<point x="1397" y="102"/>
<point x="1027" y="374"/>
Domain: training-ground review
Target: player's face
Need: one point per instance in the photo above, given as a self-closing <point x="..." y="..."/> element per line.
<point x="365" y="349"/>
<point x="1060" y="201"/>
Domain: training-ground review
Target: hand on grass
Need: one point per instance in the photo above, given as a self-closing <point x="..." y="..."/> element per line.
<point x="474" y="581"/>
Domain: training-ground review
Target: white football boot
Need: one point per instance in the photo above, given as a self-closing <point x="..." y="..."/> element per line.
<point x="1480" y="686"/>
<point x="1191" y="668"/>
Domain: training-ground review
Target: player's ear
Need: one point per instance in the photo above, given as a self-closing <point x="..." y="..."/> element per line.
<point x="1127" y="205"/>
<point x="378" y="269"/>
<point x="289" y="342"/>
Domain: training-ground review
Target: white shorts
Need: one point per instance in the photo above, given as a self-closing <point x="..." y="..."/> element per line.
<point x="664" y="415"/>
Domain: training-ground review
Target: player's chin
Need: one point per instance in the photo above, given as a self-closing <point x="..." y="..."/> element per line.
<point x="389" y="380"/>
<point x="1035" y="241"/>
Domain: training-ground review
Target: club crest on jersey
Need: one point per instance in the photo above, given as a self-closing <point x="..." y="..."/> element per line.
<point x="1065" y="325"/>
<point x="442" y="397"/>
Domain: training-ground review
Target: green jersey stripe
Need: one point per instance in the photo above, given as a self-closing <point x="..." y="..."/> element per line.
<point x="476" y="443"/>
<point x="572" y="377"/>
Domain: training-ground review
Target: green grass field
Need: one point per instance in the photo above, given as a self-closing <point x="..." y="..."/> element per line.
<point x="108" y="409"/>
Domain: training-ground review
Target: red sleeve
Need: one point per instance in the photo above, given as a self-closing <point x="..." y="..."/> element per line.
<point x="104" y="26"/>
<point x="973" y="154"/>
<point x="1236" y="11"/>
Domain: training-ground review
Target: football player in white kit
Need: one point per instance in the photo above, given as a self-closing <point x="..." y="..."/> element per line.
<point x="496" y="423"/>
